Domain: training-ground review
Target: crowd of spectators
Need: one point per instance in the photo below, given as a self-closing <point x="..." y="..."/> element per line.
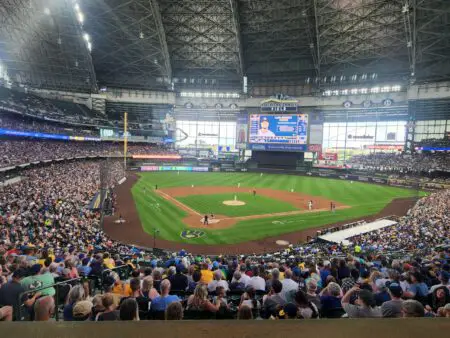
<point x="48" y="234"/>
<point x="16" y="122"/>
<point x="443" y="142"/>
<point x="15" y="152"/>
<point x="25" y="103"/>
<point x="398" y="163"/>
<point x="426" y="224"/>
<point x="21" y="103"/>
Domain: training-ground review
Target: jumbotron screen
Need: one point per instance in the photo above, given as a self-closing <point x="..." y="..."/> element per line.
<point x="278" y="129"/>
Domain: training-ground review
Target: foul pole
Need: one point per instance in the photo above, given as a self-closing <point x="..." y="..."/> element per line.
<point x="125" y="139"/>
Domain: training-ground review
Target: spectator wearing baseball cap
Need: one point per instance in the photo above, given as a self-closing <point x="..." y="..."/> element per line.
<point x="393" y="308"/>
<point x="38" y="281"/>
<point x="289" y="311"/>
<point x="179" y="280"/>
<point x="10" y="292"/>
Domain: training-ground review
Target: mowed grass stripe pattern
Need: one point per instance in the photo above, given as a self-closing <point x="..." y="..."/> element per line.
<point x="254" y="205"/>
<point x="156" y="212"/>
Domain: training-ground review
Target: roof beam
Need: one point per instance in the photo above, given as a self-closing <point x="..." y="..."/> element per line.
<point x="409" y="15"/>
<point x="162" y="36"/>
<point x="318" y="57"/>
<point x="237" y="26"/>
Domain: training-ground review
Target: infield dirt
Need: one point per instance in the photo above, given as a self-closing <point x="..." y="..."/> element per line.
<point x="193" y="220"/>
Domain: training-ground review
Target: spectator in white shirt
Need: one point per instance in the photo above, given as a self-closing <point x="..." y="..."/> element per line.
<point x="245" y="279"/>
<point x="217" y="281"/>
<point x="288" y="284"/>
<point x="257" y="282"/>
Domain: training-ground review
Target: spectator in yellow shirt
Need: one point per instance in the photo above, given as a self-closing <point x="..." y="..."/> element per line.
<point x="207" y="275"/>
<point x="107" y="261"/>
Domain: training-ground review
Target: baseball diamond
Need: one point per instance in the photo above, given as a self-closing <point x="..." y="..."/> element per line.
<point x="278" y="210"/>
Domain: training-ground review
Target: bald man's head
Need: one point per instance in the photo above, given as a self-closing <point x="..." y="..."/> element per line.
<point x="44" y="308"/>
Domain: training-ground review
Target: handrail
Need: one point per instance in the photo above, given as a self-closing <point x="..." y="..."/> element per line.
<point x="102" y="277"/>
<point x="18" y="310"/>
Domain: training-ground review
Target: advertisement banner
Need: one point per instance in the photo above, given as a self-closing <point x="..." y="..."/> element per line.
<point x="157" y="157"/>
<point x="328" y="157"/>
<point x="278" y="147"/>
<point x="314" y="148"/>
<point x="174" y="168"/>
<point x="241" y="131"/>
<point x="10" y="132"/>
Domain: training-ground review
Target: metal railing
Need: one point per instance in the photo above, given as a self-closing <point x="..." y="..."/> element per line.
<point x="18" y="310"/>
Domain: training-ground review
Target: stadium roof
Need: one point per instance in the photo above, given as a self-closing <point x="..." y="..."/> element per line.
<point x="164" y="44"/>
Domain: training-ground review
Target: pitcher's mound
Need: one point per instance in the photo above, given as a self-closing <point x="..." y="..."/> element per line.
<point x="234" y="203"/>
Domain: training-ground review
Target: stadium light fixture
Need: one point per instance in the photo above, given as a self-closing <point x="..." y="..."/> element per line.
<point x="80" y="17"/>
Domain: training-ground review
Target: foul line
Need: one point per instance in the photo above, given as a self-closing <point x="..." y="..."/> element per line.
<point x="286" y="213"/>
<point x="242" y="218"/>
<point x="183" y="206"/>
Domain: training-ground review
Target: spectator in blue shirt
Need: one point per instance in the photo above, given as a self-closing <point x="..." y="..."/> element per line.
<point x="160" y="303"/>
<point x="84" y="269"/>
<point x="325" y="272"/>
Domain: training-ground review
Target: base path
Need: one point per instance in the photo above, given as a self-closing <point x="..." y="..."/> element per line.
<point x="296" y="199"/>
<point x="131" y="232"/>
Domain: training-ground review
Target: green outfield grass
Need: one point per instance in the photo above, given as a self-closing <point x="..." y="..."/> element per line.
<point x="156" y="212"/>
<point x="254" y="205"/>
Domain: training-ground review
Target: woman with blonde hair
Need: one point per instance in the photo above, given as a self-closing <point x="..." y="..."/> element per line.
<point x="76" y="294"/>
<point x="244" y="313"/>
<point x="148" y="290"/>
<point x="199" y="300"/>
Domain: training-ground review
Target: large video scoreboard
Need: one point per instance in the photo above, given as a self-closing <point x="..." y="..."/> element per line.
<point x="278" y="132"/>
